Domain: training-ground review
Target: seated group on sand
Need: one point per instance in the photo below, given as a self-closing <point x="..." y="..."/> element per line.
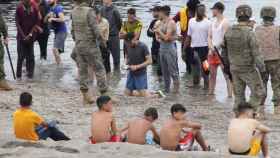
<point x="246" y="135"/>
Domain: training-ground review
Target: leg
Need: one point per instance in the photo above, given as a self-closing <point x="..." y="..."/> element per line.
<point x="213" y="78"/>
<point x="228" y="82"/>
<point x="114" y="45"/>
<point x="188" y="59"/>
<point x="100" y="72"/>
<point x="2" y="70"/>
<point x="274" y="71"/>
<point x="56" y="135"/>
<point x="239" y="87"/>
<point x="259" y="143"/>
<point x="30" y="60"/>
<point x="203" y="55"/>
<point x="106" y="59"/>
<point x="21" y="51"/>
<point x="43" y="43"/>
<point x="165" y="71"/>
<point x="254" y="82"/>
<point x="200" y="140"/>
<point x="196" y="69"/>
<point x="173" y="69"/>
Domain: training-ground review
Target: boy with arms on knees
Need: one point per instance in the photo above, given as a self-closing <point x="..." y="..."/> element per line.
<point x="28" y="125"/>
<point x="103" y="123"/>
<point x="170" y="134"/>
<point x="137" y="129"/>
<point x="246" y="135"/>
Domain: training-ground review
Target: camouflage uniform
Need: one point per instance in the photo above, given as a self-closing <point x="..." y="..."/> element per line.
<point x="268" y="37"/>
<point x="86" y="35"/>
<point x="4" y="33"/>
<point x="242" y="52"/>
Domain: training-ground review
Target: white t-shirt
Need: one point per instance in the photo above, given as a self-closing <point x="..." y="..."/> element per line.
<point x="198" y="31"/>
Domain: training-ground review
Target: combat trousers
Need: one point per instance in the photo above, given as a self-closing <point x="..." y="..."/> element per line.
<point x="114" y="47"/>
<point x="25" y="52"/>
<point x="273" y="70"/>
<point x="88" y="55"/>
<point x="169" y="66"/>
<point x="252" y="79"/>
<point x="2" y="70"/>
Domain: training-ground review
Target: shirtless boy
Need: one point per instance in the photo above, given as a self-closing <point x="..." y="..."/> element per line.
<point x="170" y="134"/>
<point x="247" y="136"/>
<point x="103" y="124"/>
<point x="138" y="128"/>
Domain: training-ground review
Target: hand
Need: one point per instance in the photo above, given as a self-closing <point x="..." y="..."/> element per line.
<point x="133" y="67"/>
<point x="151" y="30"/>
<point x="6" y="41"/>
<point x="28" y="37"/>
<point x="50" y="20"/>
<point x="180" y="38"/>
<point x="134" y="42"/>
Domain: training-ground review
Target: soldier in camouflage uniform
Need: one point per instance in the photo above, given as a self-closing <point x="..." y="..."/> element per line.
<point x="242" y="53"/>
<point x="86" y="35"/>
<point x="3" y="33"/>
<point x="268" y="38"/>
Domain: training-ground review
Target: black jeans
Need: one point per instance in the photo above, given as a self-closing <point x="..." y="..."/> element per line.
<point x="106" y="58"/>
<point x="43" y="43"/>
<point x="54" y="134"/>
<point x="25" y="52"/>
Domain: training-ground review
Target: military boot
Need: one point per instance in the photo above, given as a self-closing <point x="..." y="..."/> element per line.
<point x="87" y="99"/>
<point x="5" y="86"/>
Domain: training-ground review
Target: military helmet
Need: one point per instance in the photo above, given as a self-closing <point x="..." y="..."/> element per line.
<point x="268" y="12"/>
<point x="244" y="10"/>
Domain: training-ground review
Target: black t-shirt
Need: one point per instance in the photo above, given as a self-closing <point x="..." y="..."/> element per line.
<point x="137" y="55"/>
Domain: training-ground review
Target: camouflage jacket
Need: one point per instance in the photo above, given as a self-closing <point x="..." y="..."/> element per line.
<point x="3" y="28"/>
<point x="268" y="36"/>
<point x="241" y="49"/>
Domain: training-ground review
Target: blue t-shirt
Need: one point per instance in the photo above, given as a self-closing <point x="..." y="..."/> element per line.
<point x="58" y="26"/>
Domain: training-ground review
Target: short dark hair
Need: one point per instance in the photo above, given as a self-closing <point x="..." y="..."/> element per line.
<point x="243" y="107"/>
<point x="219" y="6"/>
<point x="178" y="108"/>
<point x="156" y="9"/>
<point x="25" y="99"/>
<point x="165" y="9"/>
<point x="192" y="4"/>
<point x="267" y="18"/>
<point x="102" y="100"/>
<point x="97" y="11"/>
<point x="151" y="112"/>
<point x="131" y="11"/>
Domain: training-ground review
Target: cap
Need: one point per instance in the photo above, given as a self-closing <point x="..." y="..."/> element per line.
<point x="219" y="6"/>
<point x="155" y="9"/>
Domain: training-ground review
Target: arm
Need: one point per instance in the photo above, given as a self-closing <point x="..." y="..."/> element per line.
<point x="148" y="61"/>
<point x="93" y="24"/>
<point x="123" y="31"/>
<point x="155" y="134"/>
<point x="3" y="27"/>
<point x="192" y="125"/>
<point x="137" y="32"/>
<point x="258" y="59"/>
<point x="114" y="127"/>
<point x="210" y="38"/>
<point x="125" y="128"/>
<point x="262" y="128"/>
<point x="150" y="32"/>
<point x="169" y="34"/>
<point x="18" y="23"/>
<point x="60" y="16"/>
<point x="176" y="18"/>
<point x="118" y="19"/>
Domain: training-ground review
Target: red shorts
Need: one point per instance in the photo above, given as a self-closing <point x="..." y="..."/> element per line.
<point x="214" y="59"/>
<point x="186" y="143"/>
<point x="112" y="139"/>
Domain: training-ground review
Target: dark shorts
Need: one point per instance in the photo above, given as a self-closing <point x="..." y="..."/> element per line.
<point x="59" y="41"/>
<point x="202" y="53"/>
<point x="136" y="82"/>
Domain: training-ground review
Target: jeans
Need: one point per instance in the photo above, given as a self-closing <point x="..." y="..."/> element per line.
<point x="51" y="132"/>
<point x="105" y="52"/>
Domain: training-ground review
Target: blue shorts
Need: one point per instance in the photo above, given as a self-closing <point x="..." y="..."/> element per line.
<point x="136" y="82"/>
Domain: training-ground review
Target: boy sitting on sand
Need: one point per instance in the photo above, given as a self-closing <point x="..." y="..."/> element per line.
<point x="246" y="135"/>
<point x="103" y="123"/>
<point x="172" y="129"/>
<point x="28" y="125"/>
<point x="138" y="128"/>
